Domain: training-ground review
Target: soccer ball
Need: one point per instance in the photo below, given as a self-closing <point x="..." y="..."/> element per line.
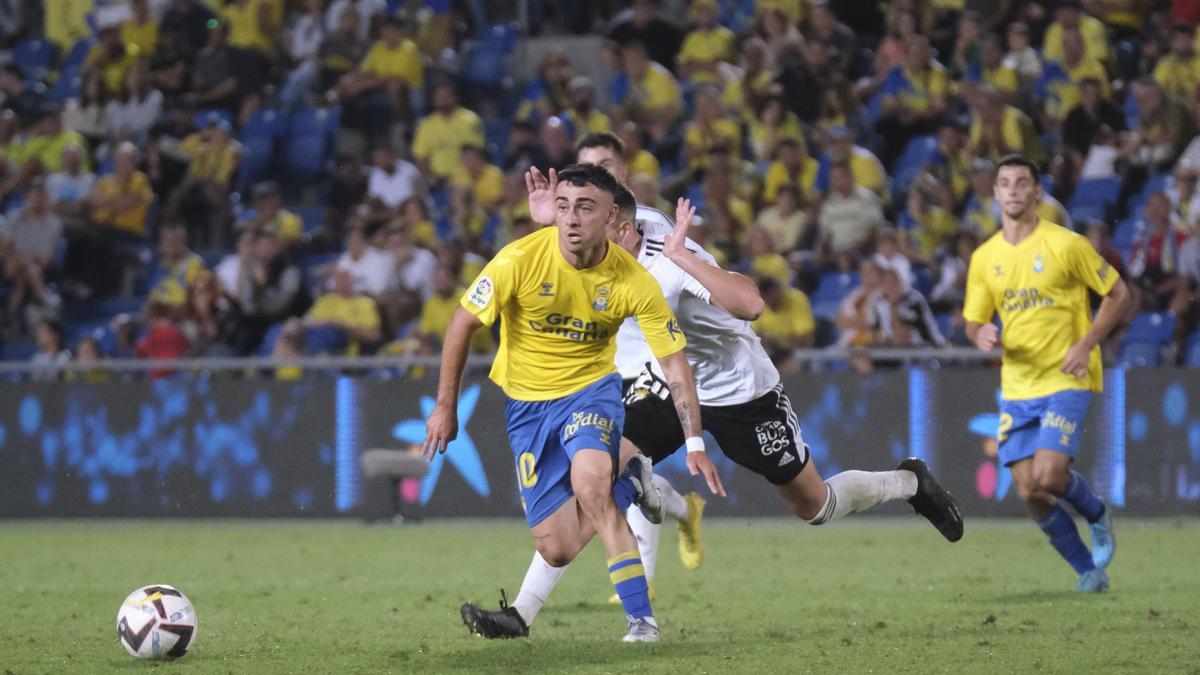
<point x="156" y="622"/>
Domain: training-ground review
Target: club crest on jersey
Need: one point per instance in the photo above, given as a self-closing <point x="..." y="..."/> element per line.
<point x="600" y="304"/>
<point x="998" y="270"/>
<point x="547" y="289"/>
<point x="1038" y="265"/>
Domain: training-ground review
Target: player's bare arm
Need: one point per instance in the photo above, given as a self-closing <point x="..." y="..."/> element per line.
<point x="732" y="292"/>
<point x="1112" y="308"/>
<point x="442" y="425"/>
<point x="687" y="404"/>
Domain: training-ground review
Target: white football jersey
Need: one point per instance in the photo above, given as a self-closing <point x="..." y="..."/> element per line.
<point x="727" y="359"/>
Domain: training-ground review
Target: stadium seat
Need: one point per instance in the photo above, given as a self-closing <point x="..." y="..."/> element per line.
<point x="486" y="58"/>
<point x="78" y="54"/>
<point x="922" y="279"/>
<point x="258" y="138"/>
<point x="1093" y="198"/>
<point x="495" y="133"/>
<point x="1140" y="355"/>
<point x="919" y="152"/>
<point x="17" y="351"/>
<point x="833" y="287"/>
<point x="313" y="218"/>
<point x="1125" y="234"/>
<point x="69" y="85"/>
<point x="309" y="139"/>
<point x="1147" y="335"/>
<point x="1191" y="352"/>
<point x="34" y="57"/>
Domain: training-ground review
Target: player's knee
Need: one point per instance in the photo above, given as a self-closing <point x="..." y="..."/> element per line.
<point x="594" y="494"/>
<point x="1028" y="491"/>
<point x="556" y="554"/>
<point x="1051" y="482"/>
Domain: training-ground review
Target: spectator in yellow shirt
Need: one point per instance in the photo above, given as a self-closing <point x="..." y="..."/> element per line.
<point x="440" y="136"/>
<point x="707" y="46"/>
<point x="202" y="197"/>
<point x="341" y="318"/>
<point x="269" y="212"/>
<point x="773" y="123"/>
<point x="120" y="200"/>
<point x="637" y="157"/>
<point x="1058" y="88"/>
<point x="792" y="165"/>
<point x="868" y="171"/>
<point x="1179" y="70"/>
<point x="654" y="100"/>
<point x="581" y="114"/>
<point x="1070" y="17"/>
<point x="708" y="128"/>
<point x="176" y="270"/>
<point x="928" y="226"/>
<point x="392" y="68"/>
<point x="786" y="323"/>
<point x="141" y="30"/>
<point x="252" y="24"/>
<point x="998" y="130"/>
<point x="482" y="179"/>
<point x="110" y="58"/>
<point x="439" y="308"/>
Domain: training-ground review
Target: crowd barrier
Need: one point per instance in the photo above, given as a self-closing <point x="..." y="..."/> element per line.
<point x="220" y="439"/>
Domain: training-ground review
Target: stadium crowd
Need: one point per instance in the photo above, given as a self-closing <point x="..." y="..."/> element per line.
<point x="287" y="177"/>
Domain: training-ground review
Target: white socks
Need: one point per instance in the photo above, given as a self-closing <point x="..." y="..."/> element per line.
<point x="647" y="538"/>
<point x="855" y="491"/>
<point x="539" y="581"/>
<point x="674" y="504"/>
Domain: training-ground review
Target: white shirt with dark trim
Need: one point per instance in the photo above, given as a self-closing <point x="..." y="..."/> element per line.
<point x="727" y="359"/>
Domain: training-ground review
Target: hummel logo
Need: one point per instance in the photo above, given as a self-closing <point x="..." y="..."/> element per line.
<point x="547" y="289"/>
<point x="787" y="458"/>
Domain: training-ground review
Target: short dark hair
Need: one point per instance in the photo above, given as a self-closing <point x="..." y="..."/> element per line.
<point x="626" y="204"/>
<point x="601" y="139"/>
<point x="581" y="175"/>
<point x="1018" y="160"/>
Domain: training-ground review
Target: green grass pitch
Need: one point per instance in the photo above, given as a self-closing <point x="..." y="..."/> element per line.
<point x="863" y="595"/>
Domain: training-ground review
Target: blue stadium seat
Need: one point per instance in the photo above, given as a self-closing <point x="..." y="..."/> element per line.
<point x="1095" y="193"/>
<point x="1155" y="183"/>
<point x="308" y="142"/>
<point x="495" y="133"/>
<point x="78" y="53"/>
<point x="17" y="351"/>
<point x="69" y="85"/>
<point x="1140" y="355"/>
<point x="919" y="152"/>
<point x="1151" y="327"/>
<point x="922" y="279"/>
<point x="485" y="65"/>
<point x="1125" y="234"/>
<point x="1191" y="353"/>
<point x="833" y="287"/>
<point x="34" y="57"/>
<point x="313" y="217"/>
<point x="258" y="138"/>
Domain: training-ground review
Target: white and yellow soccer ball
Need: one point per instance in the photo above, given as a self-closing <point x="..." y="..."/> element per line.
<point x="157" y="622"/>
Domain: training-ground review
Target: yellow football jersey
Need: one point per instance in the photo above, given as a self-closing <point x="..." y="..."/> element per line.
<point x="560" y="323"/>
<point x="1039" y="289"/>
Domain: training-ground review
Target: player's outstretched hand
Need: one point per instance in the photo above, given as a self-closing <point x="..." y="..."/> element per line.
<point x="541" y="195"/>
<point x="988" y="337"/>
<point x="675" y="243"/>
<point x="1076" y="361"/>
<point x="440" y="429"/>
<point x="698" y="462"/>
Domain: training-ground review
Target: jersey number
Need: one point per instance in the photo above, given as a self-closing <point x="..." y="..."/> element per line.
<point x="1006" y="422"/>
<point x="526" y="469"/>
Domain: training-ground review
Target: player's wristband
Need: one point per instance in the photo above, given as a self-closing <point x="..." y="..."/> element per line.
<point x="694" y="444"/>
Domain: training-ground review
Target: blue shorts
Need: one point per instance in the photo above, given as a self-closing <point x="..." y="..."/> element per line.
<point x="1052" y="422"/>
<point x="545" y="435"/>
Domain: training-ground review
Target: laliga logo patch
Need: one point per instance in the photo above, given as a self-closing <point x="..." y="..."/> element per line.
<point x="601" y="302"/>
<point x="481" y="295"/>
<point x="1038" y="265"/>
